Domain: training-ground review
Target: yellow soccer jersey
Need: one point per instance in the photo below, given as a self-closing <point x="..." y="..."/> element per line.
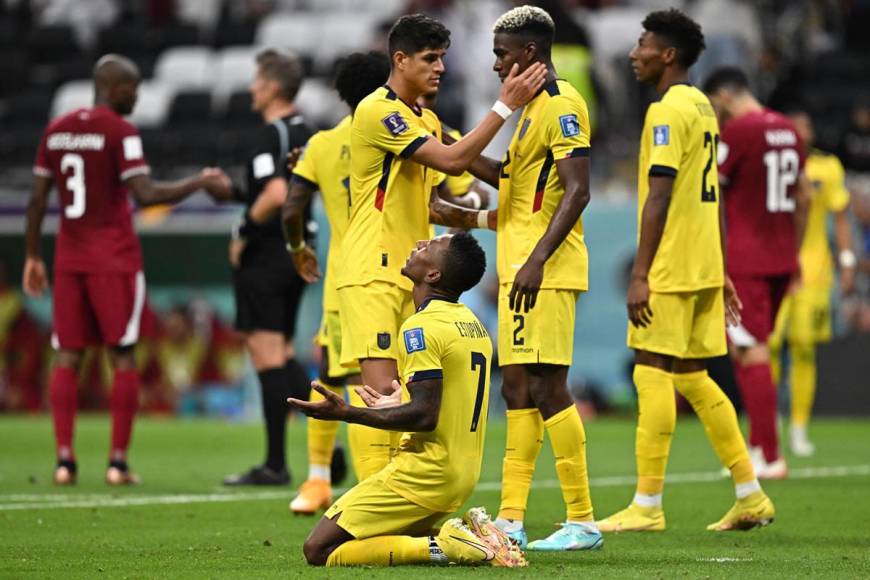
<point x="389" y="192"/>
<point x="829" y="195"/>
<point x="554" y="126"/>
<point x="680" y="136"/>
<point x="325" y="166"/>
<point x="439" y="469"/>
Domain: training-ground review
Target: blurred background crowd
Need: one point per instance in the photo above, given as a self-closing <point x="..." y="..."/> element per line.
<point x="197" y="57"/>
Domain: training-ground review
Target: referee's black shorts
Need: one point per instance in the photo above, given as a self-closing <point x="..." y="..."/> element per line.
<point x="267" y="291"/>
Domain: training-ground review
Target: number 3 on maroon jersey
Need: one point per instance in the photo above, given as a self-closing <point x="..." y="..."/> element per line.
<point x="75" y="183"/>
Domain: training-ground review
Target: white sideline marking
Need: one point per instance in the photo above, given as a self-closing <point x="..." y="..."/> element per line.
<point x="61" y="501"/>
<point x="697" y="477"/>
<point x="73" y="501"/>
<point x="723" y="559"/>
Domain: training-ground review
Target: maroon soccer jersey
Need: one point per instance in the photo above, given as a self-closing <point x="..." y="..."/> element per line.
<point x="89" y="153"/>
<point x="760" y="159"/>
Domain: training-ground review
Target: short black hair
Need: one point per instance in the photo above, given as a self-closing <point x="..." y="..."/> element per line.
<point x="283" y="67"/>
<point x="464" y="263"/>
<point x="727" y="77"/>
<point x="531" y="23"/>
<point x="680" y="31"/>
<point x="414" y="33"/>
<point x="359" y="74"/>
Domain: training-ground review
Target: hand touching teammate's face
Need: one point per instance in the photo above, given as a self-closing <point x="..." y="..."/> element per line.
<point x="510" y="50"/>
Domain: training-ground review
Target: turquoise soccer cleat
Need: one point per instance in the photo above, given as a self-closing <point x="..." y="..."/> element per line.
<point x="570" y="537"/>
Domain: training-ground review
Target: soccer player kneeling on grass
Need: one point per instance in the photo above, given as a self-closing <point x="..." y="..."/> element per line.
<point x="387" y="519"/>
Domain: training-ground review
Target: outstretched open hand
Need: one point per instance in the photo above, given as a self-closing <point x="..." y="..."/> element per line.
<point x="331" y="408"/>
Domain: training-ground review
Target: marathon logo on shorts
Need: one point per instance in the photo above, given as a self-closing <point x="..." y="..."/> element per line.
<point x="570" y="125"/>
<point x="414" y="340"/>
<point x="662" y="135"/>
<point x="383" y="340"/>
<point x="395" y="124"/>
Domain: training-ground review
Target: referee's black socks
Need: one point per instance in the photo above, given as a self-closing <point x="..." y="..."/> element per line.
<point x="274" y="384"/>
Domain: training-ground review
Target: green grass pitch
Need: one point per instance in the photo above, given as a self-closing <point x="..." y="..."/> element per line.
<point x="179" y="524"/>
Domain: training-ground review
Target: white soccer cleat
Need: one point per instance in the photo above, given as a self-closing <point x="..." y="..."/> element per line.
<point x="774" y="470"/>
<point x="756" y="455"/>
<point x="800" y="444"/>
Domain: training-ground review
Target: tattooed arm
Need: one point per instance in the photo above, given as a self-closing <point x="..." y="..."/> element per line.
<point x="444" y="213"/>
<point x="418" y="415"/>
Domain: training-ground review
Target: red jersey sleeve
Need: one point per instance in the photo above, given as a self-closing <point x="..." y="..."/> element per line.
<point x="728" y="153"/>
<point x="41" y="165"/>
<point x="128" y="152"/>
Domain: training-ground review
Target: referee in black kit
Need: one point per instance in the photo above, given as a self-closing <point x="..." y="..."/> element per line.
<point x="267" y="288"/>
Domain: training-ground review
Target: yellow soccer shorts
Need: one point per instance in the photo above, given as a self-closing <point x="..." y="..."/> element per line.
<point x="804" y="317"/>
<point x="684" y="325"/>
<point x="545" y="334"/>
<point x="329" y="337"/>
<point x="371" y="315"/>
<point x="372" y="509"/>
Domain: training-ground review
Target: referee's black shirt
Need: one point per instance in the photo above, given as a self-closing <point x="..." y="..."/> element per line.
<point x="265" y="242"/>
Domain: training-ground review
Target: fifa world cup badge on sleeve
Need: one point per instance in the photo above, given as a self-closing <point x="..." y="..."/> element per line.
<point x="394" y="123"/>
<point x="661" y="135"/>
<point x="414" y="340"/>
<point x="570" y="125"/>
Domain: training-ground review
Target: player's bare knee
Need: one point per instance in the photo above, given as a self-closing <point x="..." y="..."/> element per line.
<point x="515" y="390"/>
<point x="551" y="398"/>
<point x="652" y="359"/>
<point x="753" y="355"/>
<point x="267" y="349"/>
<point x="123" y="357"/>
<point x="690" y="365"/>
<point x="69" y="359"/>
<point x="314" y="551"/>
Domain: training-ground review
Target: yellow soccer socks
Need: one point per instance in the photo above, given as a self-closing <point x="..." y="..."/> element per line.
<point x="382" y="551"/>
<point x="717" y="414"/>
<point x="656" y="420"/>
<point x="525" y="435"/>
<point x="803" y="383"/>
<point x="369" y="447"/>
<point x="568" y="439"/>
